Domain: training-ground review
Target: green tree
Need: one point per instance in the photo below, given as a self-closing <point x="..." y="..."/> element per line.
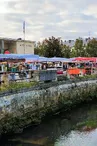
<point x="79" y="48"/>
<point x="50" y="47"/>
<point x="91" y="48"/>
<point x="66" y="51"/>
<point x="53" y="47"/>
<point x="40" y="50"/>
<point x="73" y="53"/>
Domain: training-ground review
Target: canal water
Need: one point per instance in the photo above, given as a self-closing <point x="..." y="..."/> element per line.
<point x="70" y="128"/>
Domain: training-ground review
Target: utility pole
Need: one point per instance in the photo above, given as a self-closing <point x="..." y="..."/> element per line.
<point x="2" y="46"/>
<point x="24" y="34"/>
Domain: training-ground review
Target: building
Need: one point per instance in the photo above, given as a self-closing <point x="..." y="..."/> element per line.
<point x="71" y="43"/>
<point x="17" y="46"/>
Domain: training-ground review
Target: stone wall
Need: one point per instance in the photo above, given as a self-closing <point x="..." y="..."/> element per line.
<point x="22" y="109"/>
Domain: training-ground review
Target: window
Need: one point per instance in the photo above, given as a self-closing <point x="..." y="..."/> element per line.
<point x="29" y="46"/>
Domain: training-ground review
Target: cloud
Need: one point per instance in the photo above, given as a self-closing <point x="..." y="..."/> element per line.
<point x="91" y="10"/>
<point x="45" y="18"/>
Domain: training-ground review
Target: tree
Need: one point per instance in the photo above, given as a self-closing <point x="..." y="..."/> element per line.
<point x="73" y="53"/>
<point x="39" y="50"/>
<point x="66" y="51"/>
<point x="79" y="48"/>
<point x="91" y="48"/>
<point x="53" y="47"/>
<point x="50" y="47"/>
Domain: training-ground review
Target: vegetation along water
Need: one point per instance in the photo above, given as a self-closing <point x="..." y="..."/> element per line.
<point x="71" y="128"/>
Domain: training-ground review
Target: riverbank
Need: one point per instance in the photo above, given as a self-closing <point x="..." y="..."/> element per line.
<point x="20" y="87"/>
<point x="59" y="128"/>
<point x="17" y="111"/>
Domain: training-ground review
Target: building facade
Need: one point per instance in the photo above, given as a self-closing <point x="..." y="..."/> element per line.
<point x="17" y="46"/>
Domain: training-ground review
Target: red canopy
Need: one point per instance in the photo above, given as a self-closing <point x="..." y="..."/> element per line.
<point x="93" y="59"/>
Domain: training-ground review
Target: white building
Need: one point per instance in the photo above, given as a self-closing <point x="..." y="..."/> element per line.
<point x="17" y="46"/>
<point x="71" y="43"/>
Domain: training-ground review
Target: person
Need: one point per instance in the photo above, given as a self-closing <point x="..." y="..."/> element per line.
<point x="64" y="67"/>
<point x="20" y="67"/>
<point x="13" y="71"/>
<point x="33" y="66"/>
<point x="27" y="66"/>
<point x="37" y="66"/>
<point x="5" y="79"/>
<point x="24" y="71"/>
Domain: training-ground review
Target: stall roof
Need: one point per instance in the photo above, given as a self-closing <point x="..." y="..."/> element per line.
<point x="43" y="59"/>
<point x="58" y="59"/>
<point x="18" y="56"/>
<point x="85" y="59"/>
<point x="10" y="56"/>
<point x="33" y="59"/>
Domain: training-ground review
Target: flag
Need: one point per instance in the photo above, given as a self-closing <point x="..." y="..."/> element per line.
<point x="24" y="27"/>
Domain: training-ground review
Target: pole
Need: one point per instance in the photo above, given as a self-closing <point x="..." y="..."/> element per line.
<point x="24" y="34"/>
<point x="2" y="49"/>
<point x="24" y="43"/>
<point x="89" y="34"/>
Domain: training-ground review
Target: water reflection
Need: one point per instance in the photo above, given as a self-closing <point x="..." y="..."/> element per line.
<point x="59" y="131"/>
<point x="75" y="138"/>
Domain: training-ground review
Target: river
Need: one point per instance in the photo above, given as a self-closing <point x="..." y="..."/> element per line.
<point x="60" y="130"/>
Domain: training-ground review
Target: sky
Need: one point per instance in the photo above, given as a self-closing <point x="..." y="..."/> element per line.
<point x="68" y="19"/>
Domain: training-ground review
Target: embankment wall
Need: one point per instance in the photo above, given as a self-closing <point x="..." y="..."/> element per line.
<point x="19" y="110"/>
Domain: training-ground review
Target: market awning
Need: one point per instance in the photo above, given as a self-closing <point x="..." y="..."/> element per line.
<point x="34" y="59"/>
<point x="43" y="59"/>
<point x="18" y="56"/>
<point x="58" y="59"/>
<point x="85" y="59"/>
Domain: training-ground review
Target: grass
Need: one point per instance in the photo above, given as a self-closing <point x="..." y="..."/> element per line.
<point x="87" y="125"/>
<point x="14" y="86"/>
<point x="93" y="76"/>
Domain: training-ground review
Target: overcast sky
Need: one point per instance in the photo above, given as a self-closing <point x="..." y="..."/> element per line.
<point x="68" y="19"/>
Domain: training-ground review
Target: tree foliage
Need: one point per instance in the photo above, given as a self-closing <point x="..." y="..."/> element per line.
<point x="50" y="47"/>
<point x="73" y="53"/>
<point x="91" y="48"/>
<point x="66" y="51"/>
<point x="79" y="48"/>
<point x="40" y="49"/>
<point x="55" y="47"/>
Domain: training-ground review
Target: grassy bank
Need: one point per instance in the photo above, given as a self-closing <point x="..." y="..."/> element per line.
<point x="14" y="86"/>
<point x="17" y="86"/>
<point x="87" y="125"/>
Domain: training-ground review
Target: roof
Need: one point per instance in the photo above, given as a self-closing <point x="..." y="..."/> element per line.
<point x="15" y="40"/>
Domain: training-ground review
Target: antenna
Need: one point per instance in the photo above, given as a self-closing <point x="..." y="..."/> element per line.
<point x="89" y="34"/>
